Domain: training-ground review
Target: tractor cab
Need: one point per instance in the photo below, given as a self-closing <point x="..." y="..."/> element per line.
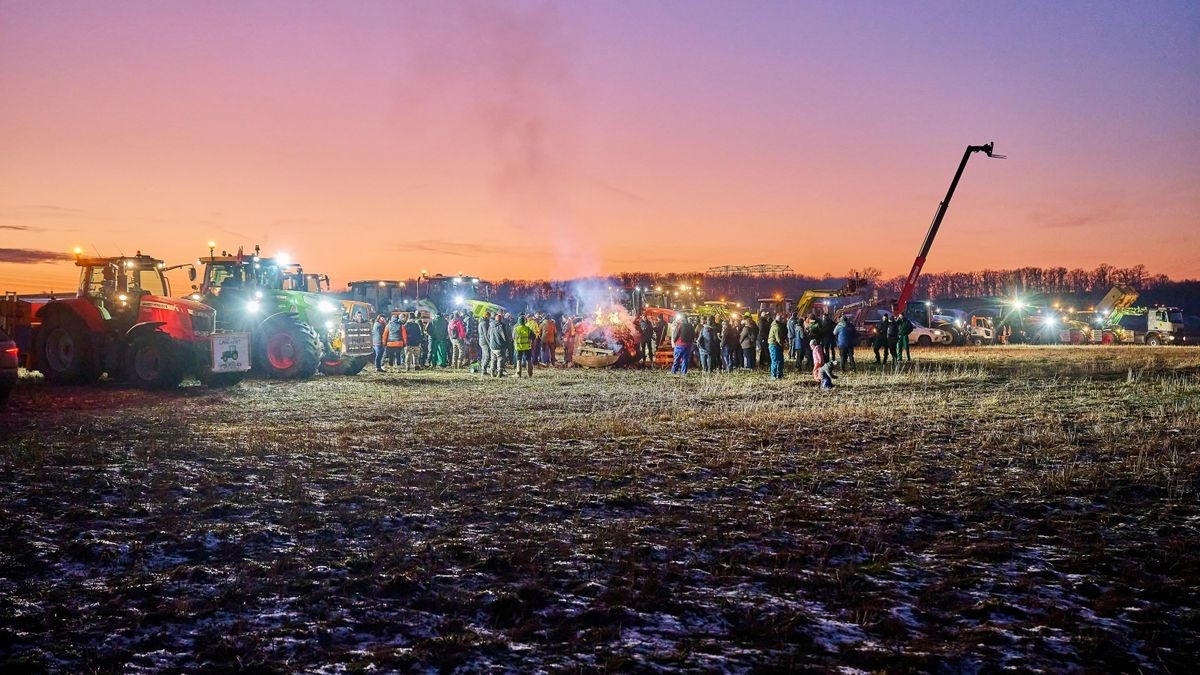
<point x="116" y="286"/>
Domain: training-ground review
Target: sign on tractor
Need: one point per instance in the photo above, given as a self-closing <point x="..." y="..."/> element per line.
<point x="231" y="352"/>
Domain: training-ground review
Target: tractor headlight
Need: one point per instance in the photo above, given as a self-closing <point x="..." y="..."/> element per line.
<point x="326" y="306"/>
<point x="122" y="297"/>
<point x="937" y="333"/>
<point x="458" y="300"/>
<point x="197" y="297"/>
<point x="330" y="325"/>
<point x="253" y="306"/>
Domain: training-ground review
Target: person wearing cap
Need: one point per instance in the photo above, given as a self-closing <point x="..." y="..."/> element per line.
<point x="523" y="341"/>
<point x="776" y="336"/>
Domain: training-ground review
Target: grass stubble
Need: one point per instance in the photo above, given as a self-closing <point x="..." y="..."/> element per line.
<point x="1028" y="508"/>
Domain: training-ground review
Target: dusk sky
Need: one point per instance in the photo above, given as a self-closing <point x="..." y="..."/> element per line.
<point x="536" y="139"/>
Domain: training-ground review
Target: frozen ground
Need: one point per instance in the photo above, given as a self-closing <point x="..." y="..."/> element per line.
<point x="1025" y="509"/>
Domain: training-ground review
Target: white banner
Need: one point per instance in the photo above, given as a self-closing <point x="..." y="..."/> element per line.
<point x="230" y="352"/>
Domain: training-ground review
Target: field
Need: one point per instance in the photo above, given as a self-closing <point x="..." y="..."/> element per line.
<point x="1024" y="508"/>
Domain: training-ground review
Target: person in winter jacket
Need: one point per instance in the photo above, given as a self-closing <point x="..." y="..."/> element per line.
<point x="484" y="338"/>
<point x="881" y="339"/>
<point x="683" y="336"/>
<point x="535" y="324"/>
<point x="647" y="344"/>
<point x="822" y="368"/>
<point x="729" y="345"/>
<point x="439" y="341"/>
<point x="799" y="340"/>
<point x="764" y="333"/>
<point x="393" y="339"/>
<point x="458" y="337"/>
<point x="549" y="340"/>
<point x="708" y="344"/>
<point x="660" y="330"/>
<point x="746" y="340"/>
<point x="776" y="336"/>
<point x="377" y="343"/>
<point x="414" y="343"/>
<point x="847" y="336"/>
<point x="828" y="339"/>
<point x="523" y="340"/>
<point x="893" y="338"/>
<point x="497" y="346"/>
<point x="904" y="328"/>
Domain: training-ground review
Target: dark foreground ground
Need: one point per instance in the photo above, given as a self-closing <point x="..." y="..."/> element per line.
<point x="1006" y="508"/>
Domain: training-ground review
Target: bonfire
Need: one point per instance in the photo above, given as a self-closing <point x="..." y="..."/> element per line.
<point x="610" y="337"/>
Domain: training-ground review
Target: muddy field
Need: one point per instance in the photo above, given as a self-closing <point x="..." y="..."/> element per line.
<point x="998" y="508"/>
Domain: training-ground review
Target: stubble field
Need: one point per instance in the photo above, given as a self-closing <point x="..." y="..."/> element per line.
<point x="1027" y="508"/>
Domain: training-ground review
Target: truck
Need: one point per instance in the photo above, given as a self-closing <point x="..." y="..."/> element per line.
<point x="295" y="329"/>
<point x="122" y="322"/>
<point x="1116" y="319"/>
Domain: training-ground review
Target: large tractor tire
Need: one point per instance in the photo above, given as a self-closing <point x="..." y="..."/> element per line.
<point x="924" y="341"/>
<point x="346" y="365"/>
<point x="64" y="352"/>
<point x="286" y="348"/>
<point x="1153" y="340"/>
<point x="153" y="361"/>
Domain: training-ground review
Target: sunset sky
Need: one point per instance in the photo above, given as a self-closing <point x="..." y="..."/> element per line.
<point x="540" y="139"/>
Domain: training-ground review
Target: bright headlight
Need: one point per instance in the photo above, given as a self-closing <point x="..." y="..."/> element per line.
<point x="253" y="306"/>
<point x="458" y="300"/>
<point x="197" y="296"/>
<point x="330" y="325"/>
<point x="326" y="306"/>
<point x="937" y="333"/>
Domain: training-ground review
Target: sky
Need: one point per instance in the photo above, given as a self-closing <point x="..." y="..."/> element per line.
<point x="561" y="139"/>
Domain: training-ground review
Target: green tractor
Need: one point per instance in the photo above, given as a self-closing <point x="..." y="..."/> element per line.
<point x="295" y="329"/>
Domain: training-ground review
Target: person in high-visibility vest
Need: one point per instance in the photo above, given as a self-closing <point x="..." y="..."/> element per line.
<point x="393" y="339"/>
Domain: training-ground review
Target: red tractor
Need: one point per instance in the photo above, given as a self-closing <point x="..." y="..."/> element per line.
<point x="124" y="322"/>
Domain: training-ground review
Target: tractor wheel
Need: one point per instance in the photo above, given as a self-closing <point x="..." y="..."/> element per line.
<point x="978" y="342"/>
<point x="221" y="380"/>
<point x="346" y="365"/>
<point x="153" y="361"/>
<point x="1153" y="340"/>
<point x="924" y="341"/>
<point x="63" y="351"/>
<point x="287" y="349"/>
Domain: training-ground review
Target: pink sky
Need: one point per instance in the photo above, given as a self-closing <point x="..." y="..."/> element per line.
<point x="533" y="139"/>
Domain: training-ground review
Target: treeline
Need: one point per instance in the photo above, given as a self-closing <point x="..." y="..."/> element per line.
<point x="1048" y="281"/>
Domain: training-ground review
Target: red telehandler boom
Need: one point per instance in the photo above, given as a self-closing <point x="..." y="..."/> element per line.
<point x="910" y="283"/>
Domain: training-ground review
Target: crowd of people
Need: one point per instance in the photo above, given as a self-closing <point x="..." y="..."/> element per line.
<point x="488" y="344"/>
<point x="491" y="343"/>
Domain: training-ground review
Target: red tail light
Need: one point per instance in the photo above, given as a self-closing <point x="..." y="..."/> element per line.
<point x="12" y="350"/>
